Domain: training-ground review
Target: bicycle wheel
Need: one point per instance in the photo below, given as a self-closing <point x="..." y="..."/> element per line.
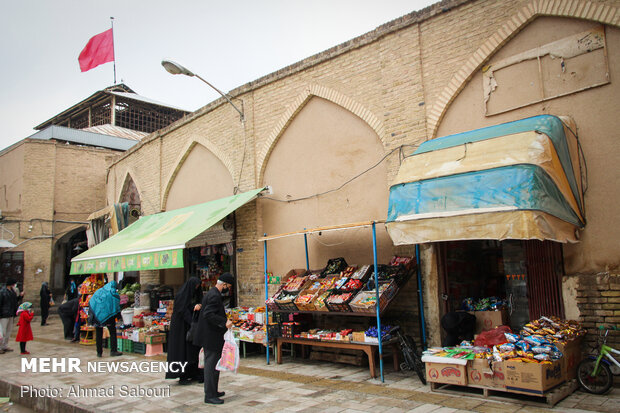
<point x="599" y="384"/>
<point x="416" y="361"/>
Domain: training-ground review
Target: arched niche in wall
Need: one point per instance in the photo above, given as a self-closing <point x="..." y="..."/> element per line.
<point x="201" y="177"/>
<point x="131" y="195"/>
<point x="322" y="148"/>
<point x="591" y="104"/>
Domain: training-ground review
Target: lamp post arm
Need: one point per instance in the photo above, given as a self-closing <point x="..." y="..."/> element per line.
<point x="224" y="96"/>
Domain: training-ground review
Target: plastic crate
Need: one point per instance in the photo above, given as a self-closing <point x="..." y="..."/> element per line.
<point x="125" y="345"/>
<point x="339" y="307"/>
<point x="139" y="348"/>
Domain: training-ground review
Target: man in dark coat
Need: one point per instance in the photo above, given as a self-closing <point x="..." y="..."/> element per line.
<point x="187" y="300"/>
<point x="68" y="313"/>
<point x="46" y="299"/>
<point x="212" y="326"/>
<point x="9" y="302"/>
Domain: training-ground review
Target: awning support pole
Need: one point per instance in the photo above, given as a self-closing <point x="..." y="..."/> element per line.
<point x="306" y="244"/>
<point x="266" y="298"/>
<point x="420" y="296"/>
<point x="377" y="305"/>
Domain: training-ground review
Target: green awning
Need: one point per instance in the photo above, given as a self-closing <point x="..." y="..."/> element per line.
<point x="157" y="241"/>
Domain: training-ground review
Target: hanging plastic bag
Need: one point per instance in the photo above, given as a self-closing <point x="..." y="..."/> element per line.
<point x="201" y="359"/>
<point x="230" y="354"/>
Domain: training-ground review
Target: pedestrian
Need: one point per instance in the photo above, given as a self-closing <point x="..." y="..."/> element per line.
<point x="104" y="306"/>
<point x="72" y="290"/>
<point x="24" y="331"/>
<point x="9" y="300"/>
<point x="212" y="326"/>
<point x="181" y="348"/>
<point x="46" y="302"/>
<point x="68" y="312"/>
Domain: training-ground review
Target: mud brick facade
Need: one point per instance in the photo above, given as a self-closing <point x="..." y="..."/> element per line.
<point x="313" y="125"/>
<point x="50" y="189"/>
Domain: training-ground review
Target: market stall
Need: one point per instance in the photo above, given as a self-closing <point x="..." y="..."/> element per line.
<point x="338" y="289"/>
<point x="535" y="362"/>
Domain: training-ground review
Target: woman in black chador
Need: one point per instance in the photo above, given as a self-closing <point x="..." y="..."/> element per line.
<point x="180" y="349"/>
<point x="46" y="298"/>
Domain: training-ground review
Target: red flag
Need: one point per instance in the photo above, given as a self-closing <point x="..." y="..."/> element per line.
<point x="98" y="50"/>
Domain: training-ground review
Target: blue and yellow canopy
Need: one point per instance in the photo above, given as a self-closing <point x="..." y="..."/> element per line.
<point x="518" y="180"/>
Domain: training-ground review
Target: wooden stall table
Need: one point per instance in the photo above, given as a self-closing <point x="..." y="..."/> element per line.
<point x="371" y="349"/>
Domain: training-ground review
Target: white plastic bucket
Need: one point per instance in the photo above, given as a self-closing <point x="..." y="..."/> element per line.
<point x="127" y="315"/>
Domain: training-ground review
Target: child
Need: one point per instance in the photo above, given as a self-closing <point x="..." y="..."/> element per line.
<point x="24" y="333"/>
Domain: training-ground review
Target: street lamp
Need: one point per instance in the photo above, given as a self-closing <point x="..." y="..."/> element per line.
<point x="176" y="69"/>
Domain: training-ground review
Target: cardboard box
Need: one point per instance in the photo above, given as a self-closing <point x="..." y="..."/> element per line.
<point x="297" y="272"/>
<point x="488" y="320"/>
<point x="446" y="373"/>
<point x="532" y="378"/>
<point x="572" y="356"/>
<point x="154" y="338"/>
<point x="480" y="373"/>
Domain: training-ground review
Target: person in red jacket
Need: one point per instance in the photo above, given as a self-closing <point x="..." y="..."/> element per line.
<point x="24" y="333"/>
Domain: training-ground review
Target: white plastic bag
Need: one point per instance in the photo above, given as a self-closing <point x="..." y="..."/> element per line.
<point x="229" y="361"/>
<point x="201" y="359"/>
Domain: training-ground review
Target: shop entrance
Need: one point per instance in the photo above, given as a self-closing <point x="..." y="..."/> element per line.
<point x="525" y="276"/>
<point x="213" y="254"/>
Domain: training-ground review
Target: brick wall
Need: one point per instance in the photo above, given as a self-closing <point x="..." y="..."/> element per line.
<point x="400" y="75"/>
<point x="598" y="299"/>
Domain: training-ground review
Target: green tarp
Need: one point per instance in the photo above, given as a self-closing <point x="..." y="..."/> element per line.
<point x="157" y="241"/>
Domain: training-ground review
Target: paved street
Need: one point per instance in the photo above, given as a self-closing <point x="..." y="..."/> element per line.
<point x="293" y="386"/>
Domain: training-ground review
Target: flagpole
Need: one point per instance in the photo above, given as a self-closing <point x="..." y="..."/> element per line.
<point x="112" y="22"/>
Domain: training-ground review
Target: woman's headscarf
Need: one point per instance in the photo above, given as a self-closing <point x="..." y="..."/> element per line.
<point x="25" y="306"/>
<point x="44" y="285"/>
<point x="186" y="294"/>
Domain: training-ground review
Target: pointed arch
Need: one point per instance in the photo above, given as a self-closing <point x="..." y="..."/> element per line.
<point x="297" y="105"/>
<point x="210" y="146"/>
<point x="579" y="9"/>
<point x="129" y="175"/>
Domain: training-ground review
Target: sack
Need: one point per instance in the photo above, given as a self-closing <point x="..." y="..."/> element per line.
<point x="229" y="360"/>
<point x="193" y="329"/>
<point x="52" y="302"/>
<point x="106" y="333"/>
<point x="201" y="359"/>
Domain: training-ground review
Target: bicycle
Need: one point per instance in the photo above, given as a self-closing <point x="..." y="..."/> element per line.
<point x="412" y="360"/>
<point x="595" y="372"/>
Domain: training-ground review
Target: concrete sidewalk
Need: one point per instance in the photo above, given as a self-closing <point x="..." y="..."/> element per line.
<point x="294" y="386"/>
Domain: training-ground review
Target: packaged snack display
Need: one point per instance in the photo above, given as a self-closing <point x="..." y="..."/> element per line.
<point x="553" y="330"/>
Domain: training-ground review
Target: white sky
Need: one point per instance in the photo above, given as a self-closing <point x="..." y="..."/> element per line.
<point x="229" y="43"/>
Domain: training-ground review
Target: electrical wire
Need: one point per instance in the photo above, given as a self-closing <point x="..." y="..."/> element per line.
<point x="341" y="186"/>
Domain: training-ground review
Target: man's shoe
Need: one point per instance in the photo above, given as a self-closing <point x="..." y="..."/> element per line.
<point x="8" y="349"/>
<point x="115" y="353"/>
<point x="2" y="351"/>
<point x="185" y="382"/>
<point x="75" y="340"/>
<point x="221" y="393"/>
<point x="99" y="355"/>
<point x="214" y="400"/>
